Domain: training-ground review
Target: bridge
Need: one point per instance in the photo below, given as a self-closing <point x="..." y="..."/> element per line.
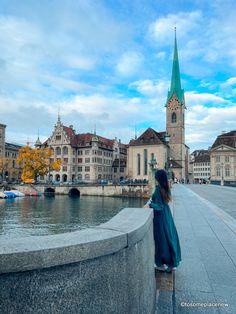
<point x="130" y="190"/>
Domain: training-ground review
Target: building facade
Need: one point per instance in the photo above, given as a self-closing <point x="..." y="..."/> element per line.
<point x="13" y="173"/>
<point x="2" y="139"/>
<point x="9" y="170"/>
<point x="223" y="159"/>
<point x="85" y="157"/>
<point x="148" y="146"/>
<point x="201" y="166"/>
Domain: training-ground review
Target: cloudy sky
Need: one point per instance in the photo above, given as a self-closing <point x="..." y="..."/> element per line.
<point x="108" y="62"/>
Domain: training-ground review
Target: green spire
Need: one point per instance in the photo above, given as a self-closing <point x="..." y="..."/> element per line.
<point x="175" y="78"/>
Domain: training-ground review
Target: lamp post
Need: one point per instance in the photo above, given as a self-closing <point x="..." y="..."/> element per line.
<point x="222" y="174"/>
<point x="167" y="140"/>
<point x="152" y="165"/>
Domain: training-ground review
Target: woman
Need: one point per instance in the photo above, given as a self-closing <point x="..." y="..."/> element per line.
<point x="167" y="247"/>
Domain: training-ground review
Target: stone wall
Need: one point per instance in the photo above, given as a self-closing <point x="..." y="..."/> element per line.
<point x="106" y="269"/>
<point x="99" y="190"/>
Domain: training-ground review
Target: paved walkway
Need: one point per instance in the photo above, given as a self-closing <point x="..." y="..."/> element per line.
<point x="205" y="282"/>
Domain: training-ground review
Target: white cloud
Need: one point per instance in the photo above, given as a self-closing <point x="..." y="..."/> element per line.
<point x="151" y="88"/>
<point x="193" y="98"/>
<point x="230" y="82"/>
<point x="161" y="55"/>
<point x="204" y="124"/>
<point x="162" y="29"/>
<point x="129" y="63"/>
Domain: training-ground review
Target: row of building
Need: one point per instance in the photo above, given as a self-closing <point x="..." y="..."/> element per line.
<point x="90" y="157"/>
<point x="218" y="163"/>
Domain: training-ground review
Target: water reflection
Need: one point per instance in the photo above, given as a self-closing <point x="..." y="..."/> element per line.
<point x="47" y="215"/>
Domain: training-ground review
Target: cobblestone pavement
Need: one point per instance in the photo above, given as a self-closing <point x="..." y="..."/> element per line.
<point x="205" y="281"/>
<point x="222" y="196"/>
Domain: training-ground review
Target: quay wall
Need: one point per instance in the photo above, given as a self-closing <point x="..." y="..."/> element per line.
<point x="104" y="269"/>
<point x="142" y="191"/>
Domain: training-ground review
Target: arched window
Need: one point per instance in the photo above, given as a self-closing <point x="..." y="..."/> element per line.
<point x="64" y="177"/>
<point x="87" y="177"/>
<point x="173" y="117"/>
<point x="65" y="150"/>
<point x="58" y="151"/>
<point x="57" y="177"/>
<point x="79" y="176"/>
<point x="139" y="164"/>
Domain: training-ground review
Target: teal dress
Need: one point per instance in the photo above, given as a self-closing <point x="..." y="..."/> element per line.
<point x="167" y="247"/>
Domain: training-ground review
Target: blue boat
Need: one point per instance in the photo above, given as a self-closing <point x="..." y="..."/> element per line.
<point x="9" y="194"/>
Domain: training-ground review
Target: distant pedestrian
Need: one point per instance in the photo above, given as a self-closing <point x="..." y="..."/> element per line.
<point x="167" y="247"/>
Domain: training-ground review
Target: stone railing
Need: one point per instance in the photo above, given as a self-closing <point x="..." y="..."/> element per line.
<point x="105" y="269"/>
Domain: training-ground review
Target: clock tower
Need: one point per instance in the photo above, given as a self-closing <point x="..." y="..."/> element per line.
<point x="175" y="118"/>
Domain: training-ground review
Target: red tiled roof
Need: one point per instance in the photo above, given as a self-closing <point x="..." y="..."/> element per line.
<point x="85" y="138"/>
<point x="69" y="131"/>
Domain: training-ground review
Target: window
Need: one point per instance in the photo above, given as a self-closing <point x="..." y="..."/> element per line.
<point x="65" y="160"/>
<point x="58" y="137"/>
<point x="121" y="169"/>
<point x="217" y="158"/>
<point x="58" y="151"/>
<point x="80" y="176"/>
<point x="80" y="169"/>
<point x="80" y="152"/>
<point x="138" y="164"/>
<point x="226" y="158"/>
<point x="227" y="171"/>
<point x="145" y="162"/>
<point x="218" y="171"/>
<point x="87" y="160"/>
<point x="100" y="168"/>
<point x="173" y="117"/>
<point x="80" y="160"/>
<point x="65" y="150"/>
<point x="87" y="177"/>
<point x="64" y="168"/>
<point x="87" y="152"/>
<point x="87" y="169"/>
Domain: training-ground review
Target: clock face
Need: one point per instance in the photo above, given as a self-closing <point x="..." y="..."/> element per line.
<point x="173" y="105"/>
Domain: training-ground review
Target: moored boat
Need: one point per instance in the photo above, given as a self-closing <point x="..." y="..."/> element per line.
<point x="17" y="193"/>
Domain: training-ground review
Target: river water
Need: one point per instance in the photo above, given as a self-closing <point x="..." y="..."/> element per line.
<point x="33" y="216"/>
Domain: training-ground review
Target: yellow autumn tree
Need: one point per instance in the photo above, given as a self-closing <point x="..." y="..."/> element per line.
<point x="36" y="162"/>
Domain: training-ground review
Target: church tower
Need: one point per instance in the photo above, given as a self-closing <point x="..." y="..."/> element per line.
<point x="175" y="119"/>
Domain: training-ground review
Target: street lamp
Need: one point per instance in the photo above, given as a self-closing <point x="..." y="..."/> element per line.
<point x="152" y="164"/>
<point x="167" y="140"/>
<point x="222" y="174"/>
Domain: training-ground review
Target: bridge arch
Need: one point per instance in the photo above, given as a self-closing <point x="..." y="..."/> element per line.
<point x="49" y="192"/>
<point x="74" y="192"/>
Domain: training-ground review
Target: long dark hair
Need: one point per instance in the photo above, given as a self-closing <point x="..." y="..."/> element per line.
<point x="161" y="177"/>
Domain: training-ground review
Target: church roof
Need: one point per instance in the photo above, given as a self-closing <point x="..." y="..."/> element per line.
<point x="175" y="87"/>
<point x="149" y="137"/>
<point x="228" y="139"/>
